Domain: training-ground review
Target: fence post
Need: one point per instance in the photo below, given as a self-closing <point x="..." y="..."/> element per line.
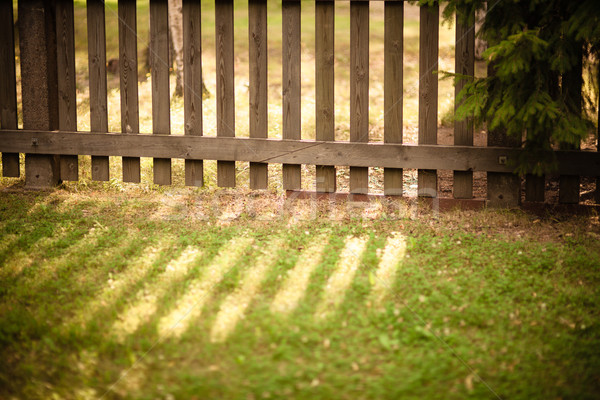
<point x="359" y="88"/>
<point x="8" y="85"/>
<point x="393" y="64"/>
<point x="503" y="189"/>
<point x="428" y="91"/>
<point x="37" y="42"/>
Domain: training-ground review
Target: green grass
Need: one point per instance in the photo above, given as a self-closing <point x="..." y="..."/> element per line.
<point x="90" y="281"/>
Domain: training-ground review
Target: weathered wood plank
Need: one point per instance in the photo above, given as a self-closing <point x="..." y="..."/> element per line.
<point x="428" y="91"/>
<point x="37" y="43"/>
<point x="8" y="85"/>
<point x="568" y="187"/>
<point x="97" y="71"/>
<point x="503" y="189"/>
<point x="534" y="188"/>
<point x="67" y="102"/>
<point x="393" y="51"/>
<point x="225" y="85"/>
<point x="128" y="69"/>
<point x="159" y="64"/>
<point x="192" y="84"/>
<point x="597" y="195"/>
<point x="465" y="158"/>
<point x="463" y="130"/>
<point x="257" y="27"/>
<point x="324" y="86"/>
<point x="359" y="88"/>
<point x="291" y="86"/>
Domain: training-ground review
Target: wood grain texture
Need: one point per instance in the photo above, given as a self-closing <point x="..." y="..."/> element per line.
<point x="225" y="85"/>
<point x="568" y="187"/>
<point x="463" y="130"/>
<point x="324" y="87"/>
<point x="8" y="85"/>
<point x="393" y="89"/>
<point x="503" y="189"/>
<point x="534" y="188"/>
<point x="291" y="86"/>
<point x="67" y="102"/>
<point x="161" y="95"/>
<point x="192" y="84"/>
<point x="129" y="82"/>
<point x="97" y="70"/>
<point x="359" y="88"/>
<point x="466" y="158"/>
<point x="257" y="32"/>
<point x="597" y="194"/>
<point x="428" y="91"/>
<point x="37" y="45"/>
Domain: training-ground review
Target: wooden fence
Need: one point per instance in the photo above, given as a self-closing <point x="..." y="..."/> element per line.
<point x="51" y="143"/>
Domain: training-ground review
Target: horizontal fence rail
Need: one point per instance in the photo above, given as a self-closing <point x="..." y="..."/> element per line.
<point x="52" y="145"/>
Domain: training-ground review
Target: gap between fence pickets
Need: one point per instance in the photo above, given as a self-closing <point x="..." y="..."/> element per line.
<point x="282" y="151"/>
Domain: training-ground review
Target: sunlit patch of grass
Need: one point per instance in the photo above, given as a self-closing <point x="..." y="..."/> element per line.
<point x="146" y="302"/>
<point x="197" y="292"/>
<point x="234" y="306"/>
<point x="297" y="279"/>
<point x="342" y="277"/>
<point x="391" y="258"/>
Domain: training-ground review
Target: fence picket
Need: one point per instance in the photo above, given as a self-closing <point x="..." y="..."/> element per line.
<point x="463" y="130"/>
<point x="393" y="65"/>
<point x="67" y="102"/>
<point x="225" y="87"/>
<point x="291" y="86"/>
<point x="428" y="91"/>
<point x="8" y="86"/>
<point x="97" y="71"/>
<point x="257" y="13"/>
<point x="128" y="69"/>
<point x="359" y="88"/>
<point x="568" y="187"/>
<point x="161" y="95"/>
<point x="192" y="84"/>
<point x="324" y="87"/>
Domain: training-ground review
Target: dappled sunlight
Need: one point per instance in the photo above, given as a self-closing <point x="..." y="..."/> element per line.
<point x="189" y="306"/>
<point x="393" y="254"/>
<point x="118" y="284"/>
<point x="235" y="305"/>
<point x="296" y="283"/>
<point x="342" y="277"/>
<point x="145" y="304"/>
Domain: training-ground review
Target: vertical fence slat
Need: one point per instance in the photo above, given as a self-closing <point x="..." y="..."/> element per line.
<point x="291" y="86"/>
<point x="503" y="189"/>
<point x="324" y="82"/>
<point x="225" y="85"/>
<point x="597" y="195"/>
<point x="192" y="84"/>
<point x="359" y="88"/>
<point x="159" y="64"/>
<point x="428" y="91"/>
<point x="257" y="14"/>
<point x="534" y="188"/>
<point x="37" y="44"/>
<point x="8" y="86"/>
<point x="393" y="65"/>
<point x="97" y="71"/>
<point x="129" y="82"/>
<point x="463" y="130"/>
<point x="67" y="102"/>
<point x="568" y="187"/>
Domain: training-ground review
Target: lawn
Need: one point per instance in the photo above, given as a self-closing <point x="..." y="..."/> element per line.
<point x="126" y="293"/>
<point x="121" y="291"/>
